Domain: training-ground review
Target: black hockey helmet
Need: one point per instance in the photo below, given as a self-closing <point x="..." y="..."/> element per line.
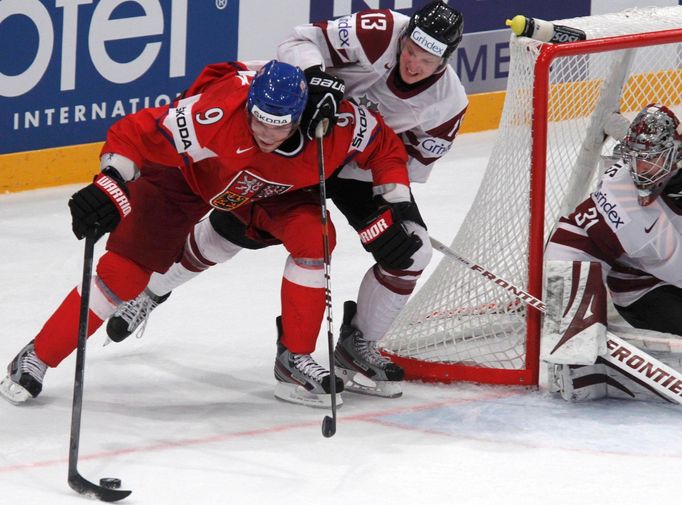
<point x="442" y="25"/>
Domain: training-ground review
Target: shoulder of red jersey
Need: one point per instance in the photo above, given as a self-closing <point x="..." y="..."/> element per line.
<point x="207" y="124"/>
<point x="214" y="73"/>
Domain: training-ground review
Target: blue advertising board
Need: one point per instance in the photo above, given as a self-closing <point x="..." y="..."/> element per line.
<point x="479" y="15"/>
<point x="71" y="68"/>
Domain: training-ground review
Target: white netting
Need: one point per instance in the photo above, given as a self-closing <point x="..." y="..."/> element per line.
<point x="459" y="317"/>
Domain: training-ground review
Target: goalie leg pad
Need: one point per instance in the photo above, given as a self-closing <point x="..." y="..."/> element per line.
<point x="578" y="383"/>
<point x="574" y="330"/>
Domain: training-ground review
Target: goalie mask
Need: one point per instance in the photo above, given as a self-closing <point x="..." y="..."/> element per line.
<point x="651" y="148"/>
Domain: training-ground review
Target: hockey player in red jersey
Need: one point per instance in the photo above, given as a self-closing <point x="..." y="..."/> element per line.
<point x="398" y="65"/>
<point x="230" y="142"/>
<point x="625" y="238"/>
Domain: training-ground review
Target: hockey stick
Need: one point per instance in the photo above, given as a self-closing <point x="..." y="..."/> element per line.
<point x="643" y="368"/>
<point x="77" y="482"/>
<point x="328" y="423"/>
<point x="519" y="293"/>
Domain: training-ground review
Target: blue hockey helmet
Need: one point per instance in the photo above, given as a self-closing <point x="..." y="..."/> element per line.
<point x="278" y="94"/>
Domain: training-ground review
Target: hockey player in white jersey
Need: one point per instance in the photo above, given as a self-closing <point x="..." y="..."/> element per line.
<point x="399" y="66"/>
<point x="625" y="238"/>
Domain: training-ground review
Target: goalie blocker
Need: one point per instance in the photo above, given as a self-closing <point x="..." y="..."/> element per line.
<point x="588" y="362"/>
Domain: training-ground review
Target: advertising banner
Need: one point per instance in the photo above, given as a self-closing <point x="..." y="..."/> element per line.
<point x="71" y="68"/>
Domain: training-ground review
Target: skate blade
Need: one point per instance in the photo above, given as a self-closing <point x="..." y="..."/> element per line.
<point x="13" y="392"/>
<point x="355" y="382"/>
<point x="294" y="393"/>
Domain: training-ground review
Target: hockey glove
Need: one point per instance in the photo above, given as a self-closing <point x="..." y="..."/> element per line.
<point x="325" y="93"/>
<point x="387" y="239"/>
<point x="98" y="208"/>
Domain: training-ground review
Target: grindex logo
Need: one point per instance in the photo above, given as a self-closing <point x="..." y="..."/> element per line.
<point x="428" y="43"/>
<point x="608" y="209"/>
<point x="344" y="30"/>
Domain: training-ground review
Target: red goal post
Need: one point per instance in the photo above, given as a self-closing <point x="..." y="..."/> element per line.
<point x="546" y="159"/>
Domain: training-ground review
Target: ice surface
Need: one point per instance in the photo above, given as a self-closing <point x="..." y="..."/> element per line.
<point x="186" y="414"/>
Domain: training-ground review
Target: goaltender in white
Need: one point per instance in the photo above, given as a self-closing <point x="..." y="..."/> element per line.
<point x="625" y="238"/>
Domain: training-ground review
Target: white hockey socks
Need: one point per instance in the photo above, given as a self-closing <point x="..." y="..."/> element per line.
<point x="204" y="247"/>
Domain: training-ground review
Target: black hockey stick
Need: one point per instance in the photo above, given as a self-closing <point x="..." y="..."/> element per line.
<point x="77" y="482"/>
<point x="328" y="423"/>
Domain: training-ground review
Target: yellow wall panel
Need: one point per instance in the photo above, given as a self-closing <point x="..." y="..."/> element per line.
<point x="78" y="164"/>
<point x="48" y="167"/>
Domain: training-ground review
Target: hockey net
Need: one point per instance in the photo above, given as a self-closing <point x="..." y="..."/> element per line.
<point x="546" y="159"/>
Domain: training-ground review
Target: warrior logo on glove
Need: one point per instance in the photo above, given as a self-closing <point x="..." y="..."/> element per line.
<point x="380" y="225"/>
<point x="112" y="188"/>
<point x="99" y="207"/>
<point x="386" y="237"/>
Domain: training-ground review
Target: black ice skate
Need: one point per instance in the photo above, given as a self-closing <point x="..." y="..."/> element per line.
<point x="131" y="314"/>
<point x="300" y="379"/>
<point x="360" y="365"/>
<point x="24" y="376"/>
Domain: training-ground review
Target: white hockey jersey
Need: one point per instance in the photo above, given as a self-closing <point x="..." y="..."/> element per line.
<point x="362" y="49"/>
<point x="640" y="248"/>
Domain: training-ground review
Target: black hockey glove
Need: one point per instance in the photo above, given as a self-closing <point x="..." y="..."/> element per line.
<point x="98" y="208"/>
<point x="325" y="93"/>
<point x="387" y="239"/>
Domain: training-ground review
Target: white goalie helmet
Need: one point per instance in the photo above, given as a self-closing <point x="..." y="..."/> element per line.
<point x="651" y="148"/>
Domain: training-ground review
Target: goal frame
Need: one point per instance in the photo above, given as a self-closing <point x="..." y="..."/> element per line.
<point x="431" y="371"/>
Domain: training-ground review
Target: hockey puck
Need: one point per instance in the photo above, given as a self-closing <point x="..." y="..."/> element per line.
<point x="110" y="482"/>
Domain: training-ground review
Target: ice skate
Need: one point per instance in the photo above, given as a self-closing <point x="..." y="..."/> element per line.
<point x="300" y="379"/>
<point x="360" y="365"/>
<point x="131" y="314"/>
<point x="24" y="378"/>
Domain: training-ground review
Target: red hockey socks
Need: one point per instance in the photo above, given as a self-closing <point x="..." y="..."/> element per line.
<point x="118" y="279"/>
<point x="59" y="336"/>
<point x="302" y="313"/>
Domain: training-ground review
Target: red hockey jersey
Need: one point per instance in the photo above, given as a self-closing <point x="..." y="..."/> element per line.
<point x="205" y="134"/>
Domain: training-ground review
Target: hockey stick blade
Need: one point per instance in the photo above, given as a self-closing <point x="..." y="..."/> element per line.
<point x="86" y="488"/>
<point x="328" y="427"/>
